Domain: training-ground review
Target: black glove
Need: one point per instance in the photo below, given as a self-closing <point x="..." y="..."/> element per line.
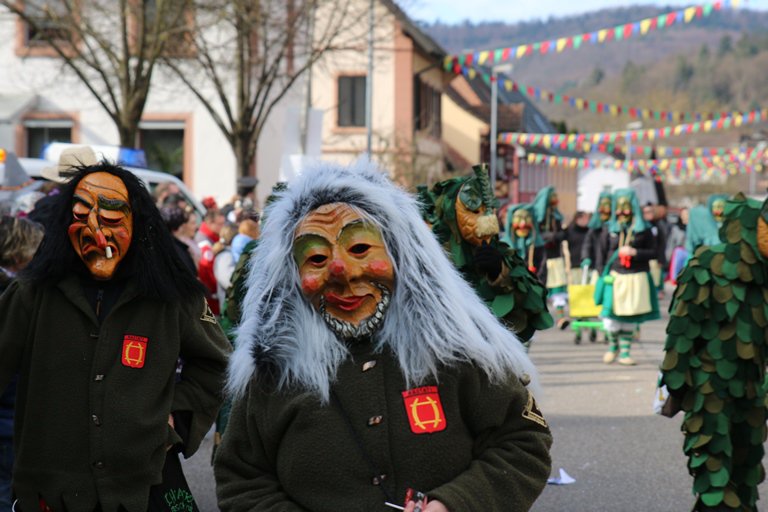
<point x="488" y="261"/>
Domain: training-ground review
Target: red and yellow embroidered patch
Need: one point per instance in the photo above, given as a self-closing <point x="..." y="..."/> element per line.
<point x="424" y="409"/>
<point x="134" y="351"/>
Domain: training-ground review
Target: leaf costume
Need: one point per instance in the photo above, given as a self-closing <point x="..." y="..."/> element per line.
<point x="516" y="297"/>
<point x="715" y="358"/>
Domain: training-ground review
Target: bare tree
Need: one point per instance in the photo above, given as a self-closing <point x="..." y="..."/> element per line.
<point x="112" y="46"/>
<point x="251" y="53"/>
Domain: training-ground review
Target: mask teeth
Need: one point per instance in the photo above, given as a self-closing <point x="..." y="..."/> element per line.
<point x="108" y="252"/>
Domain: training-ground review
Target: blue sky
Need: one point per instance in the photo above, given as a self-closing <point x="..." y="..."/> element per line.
<point x="452" y="11"/>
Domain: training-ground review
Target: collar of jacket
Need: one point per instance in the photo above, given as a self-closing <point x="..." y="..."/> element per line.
<point x="73" y="291"/>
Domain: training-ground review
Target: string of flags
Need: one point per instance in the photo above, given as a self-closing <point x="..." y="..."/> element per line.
<point x="596" y="107"/>
<point x="673" y="151"/>
<point x="749" y="160"/>
<point x="617" y="33"/>
<point x="576" y="141"/>
<point x="660" y="151"/>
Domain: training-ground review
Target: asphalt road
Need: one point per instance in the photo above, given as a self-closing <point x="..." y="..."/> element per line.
<point x="622" y="456"/>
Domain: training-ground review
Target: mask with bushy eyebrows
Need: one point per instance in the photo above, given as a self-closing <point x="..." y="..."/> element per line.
<point x="102" y="223"/>
<point x="345" y="270"/>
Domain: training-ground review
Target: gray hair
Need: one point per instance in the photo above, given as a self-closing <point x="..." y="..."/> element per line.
<point x="434" y="318"/>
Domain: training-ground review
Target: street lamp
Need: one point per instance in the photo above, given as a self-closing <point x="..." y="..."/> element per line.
<point x="495" y="70"/>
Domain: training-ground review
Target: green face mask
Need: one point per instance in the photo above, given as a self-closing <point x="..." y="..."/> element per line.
<point x="624" y="212"/>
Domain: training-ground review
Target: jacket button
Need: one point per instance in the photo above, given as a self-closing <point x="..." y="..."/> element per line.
<point x="375" y="420"/>
<point x="378" y="479"/>
<point x="98" y="465"/>
<point x="96" y="420"/>
<point x="368" y="365"/>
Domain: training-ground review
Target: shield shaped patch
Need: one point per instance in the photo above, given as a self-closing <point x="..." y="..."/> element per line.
<point x="134" y="351"/>
<point x="424" y="409"/>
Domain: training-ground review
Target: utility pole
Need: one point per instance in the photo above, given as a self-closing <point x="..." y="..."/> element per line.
<point x="494" y="117"/>
<point x="369" y="85"/>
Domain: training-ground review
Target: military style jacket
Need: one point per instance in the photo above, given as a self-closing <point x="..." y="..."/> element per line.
<point x="472" y="445"/>
<point x="93" y="400"/>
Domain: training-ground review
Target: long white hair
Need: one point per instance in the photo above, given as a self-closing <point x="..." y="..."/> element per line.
<point x="434" y="318"/>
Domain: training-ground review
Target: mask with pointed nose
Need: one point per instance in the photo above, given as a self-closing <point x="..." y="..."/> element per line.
<point x="102" y="223"/>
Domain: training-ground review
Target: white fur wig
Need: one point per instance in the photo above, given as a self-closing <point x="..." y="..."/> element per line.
<point x="434" y="317"/>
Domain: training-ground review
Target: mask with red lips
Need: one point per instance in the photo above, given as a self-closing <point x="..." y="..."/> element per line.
<point x="345" y="269"/>
<point x="102" y="223"/>
<point x="604" y="209"/>
<point x="718" y="210"/>
<point x="624" y="212"/>
<point x="522" y="223"/>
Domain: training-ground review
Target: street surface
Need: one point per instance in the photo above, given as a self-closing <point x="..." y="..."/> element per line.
<point x="622" y="456"/>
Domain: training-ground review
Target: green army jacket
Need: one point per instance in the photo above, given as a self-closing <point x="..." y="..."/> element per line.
<point x="93" y="401"/>
<point x="473" y="445"/>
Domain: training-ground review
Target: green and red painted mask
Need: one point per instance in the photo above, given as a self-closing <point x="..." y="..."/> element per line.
<point x="102" y="223"/>
<point x="522" y="223"/>
<point x="604" y="209"/>
<point x="718" y="210"/>
<point x="345" y="270"/>
<point x="624" y="212"/>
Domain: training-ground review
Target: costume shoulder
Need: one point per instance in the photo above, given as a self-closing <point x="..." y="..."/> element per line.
<point x="719" y="309"/>
<point x="525" y="303"/>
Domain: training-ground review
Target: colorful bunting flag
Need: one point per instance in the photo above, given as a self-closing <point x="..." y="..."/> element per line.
<point x="747" y="161"/>
<point x="558" y="45"/>
<point x="560" y="140"/>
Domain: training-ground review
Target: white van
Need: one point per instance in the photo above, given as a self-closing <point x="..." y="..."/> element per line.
<point x="34" y="166"/>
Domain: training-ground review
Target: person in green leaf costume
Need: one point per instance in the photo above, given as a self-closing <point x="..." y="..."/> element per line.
<point x="629" y="297"/>
<point x="521" y="235"/>
<point x="714" y="365"/>
<point x="466" y="224"/>
<point x="549" y="223"/>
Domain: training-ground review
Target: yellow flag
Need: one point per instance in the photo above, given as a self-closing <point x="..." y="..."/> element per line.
<point x="645" y="25"/>
<point x="508" y="85"/>
<point x="601" y="35"/>
<point x="483" y="57"/>
<point x="521" y="50"/>
<point x="561" y="43"/>
<point x="689" y="14"/>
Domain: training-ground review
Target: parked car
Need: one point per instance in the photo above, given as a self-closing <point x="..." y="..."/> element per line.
<point x="34" y="166"/>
